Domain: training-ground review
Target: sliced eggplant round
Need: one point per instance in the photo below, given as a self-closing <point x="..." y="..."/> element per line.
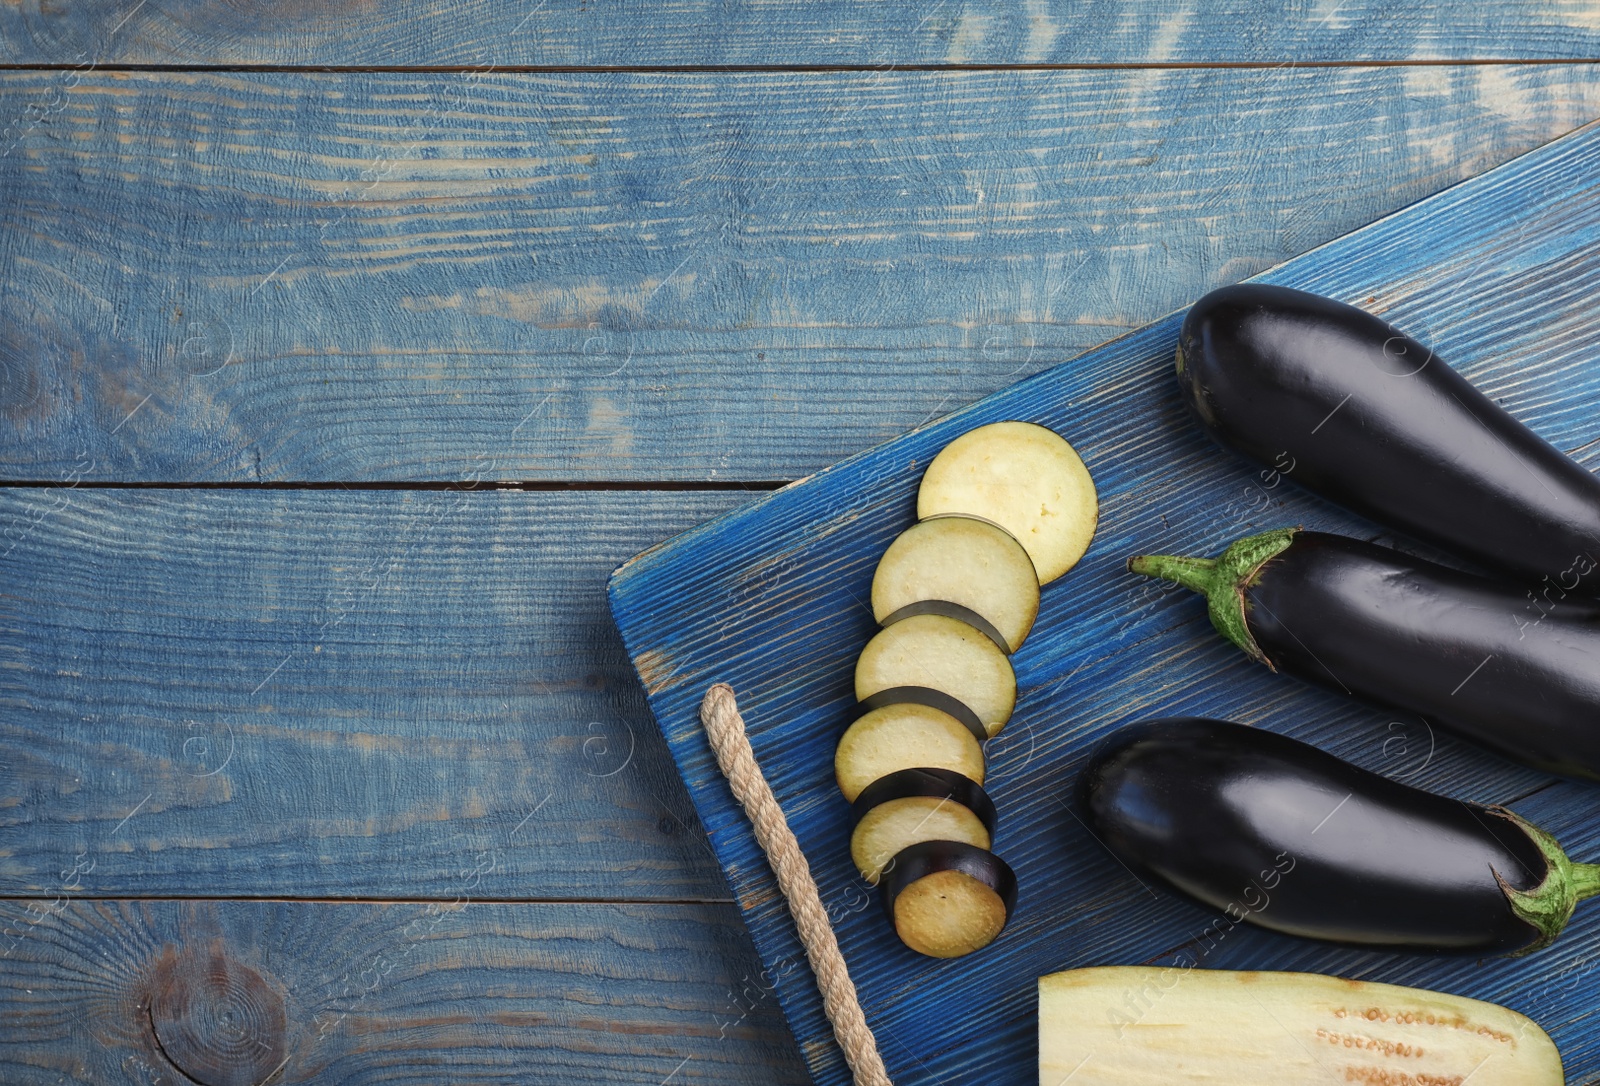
<point x="1024" y="478"/>
<point x="948" y="898"/>
<point x="914" y="805"/>
<point x="953" y="564"/>
<point x="945" y="654"/>
<point x="933" y="699"/>
<point x="950" y="610"/>
<point x="904" y="735"/>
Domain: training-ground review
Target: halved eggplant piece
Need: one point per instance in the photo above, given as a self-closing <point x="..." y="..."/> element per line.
<point x="913" y="805"/>
<point x="1024" y="478"/>
<point x="976" y="566"/>
<point x="945" y="654"/>
<point x="1121" y="1025"/>
<point x="948" y="898"/>
<point x="904" y="735"/>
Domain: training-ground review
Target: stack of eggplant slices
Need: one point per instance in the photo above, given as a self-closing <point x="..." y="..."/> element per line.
<point x="1001" y="510"/>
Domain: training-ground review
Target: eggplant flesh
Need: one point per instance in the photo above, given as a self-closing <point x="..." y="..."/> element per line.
<point x="898" y="824"/>
<point x="948" y="898"/>
<point x="945" y="654"/>
<point x="959" y="561"/>
<point x="924" y="695"/>
<point x="946" y="609"/>
<point x="1480" y="657"/>
<point x="1283" y="835"/>
<point x="1136" y="1025"/>
<point x="915" y="805"/>
<point x="930" y="783"/>
<point x="1354" y="409"/>
<point x="1026" y="479"/>
<point x="904" y="735"/>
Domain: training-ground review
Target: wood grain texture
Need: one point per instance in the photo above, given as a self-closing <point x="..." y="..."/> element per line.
<point x="1497" y="273"/>
<point x="328" y="694"/>
<point x="787" y="32"/>
<point x="397" y="993"/>
<point x="629" y="277"/>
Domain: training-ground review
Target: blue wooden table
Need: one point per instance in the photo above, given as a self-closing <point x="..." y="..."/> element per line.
<point x="345" y="349"/>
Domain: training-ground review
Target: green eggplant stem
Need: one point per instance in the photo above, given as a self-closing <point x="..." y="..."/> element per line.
<point x="1586" y="880"/>
<point x="1222" y="581"/>
<point x="1548" y="906"/>
<point x="1195" y="574"/>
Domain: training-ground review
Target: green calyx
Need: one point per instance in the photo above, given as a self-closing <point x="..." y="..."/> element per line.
<point x="1222" y="580"/>
<point x="1548" y="906"/>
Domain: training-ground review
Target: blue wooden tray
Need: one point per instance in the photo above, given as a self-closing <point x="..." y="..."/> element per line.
<point x="1500" y="274"/>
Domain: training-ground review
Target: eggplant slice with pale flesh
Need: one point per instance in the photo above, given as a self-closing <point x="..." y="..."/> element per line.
<point x="904" y="735"/>
<point x="964" y="568"/>
<point x="941" y="653"/>
<point x="948" y="898"/>
<point x="915" y="805"/>
<point x="1024" y="478"/>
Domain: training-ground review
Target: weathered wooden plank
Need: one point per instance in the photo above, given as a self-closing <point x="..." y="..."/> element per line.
<point x="360" y="993"/>
<point x="630" y="276"/>
<point x="790" y="32"/>
<point x="328" y="694"/>
<point x="1499" y="273"/>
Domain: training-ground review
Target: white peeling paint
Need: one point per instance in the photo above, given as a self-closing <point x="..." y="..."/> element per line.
<point x="968" y="38"/>
<point x="1427" y="81"/>
<point x="1500" y="91"/>
<point x="1042" y="32"/>
<point x="1164" y="45"/>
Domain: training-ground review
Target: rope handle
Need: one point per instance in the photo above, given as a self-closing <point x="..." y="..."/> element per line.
<point x="719" y="712"/>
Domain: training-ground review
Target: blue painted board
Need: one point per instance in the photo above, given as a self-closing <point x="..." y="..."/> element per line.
<point x="788" y="32"/>
<point x="1498" y="273"/>
<point x="638" y="276"/>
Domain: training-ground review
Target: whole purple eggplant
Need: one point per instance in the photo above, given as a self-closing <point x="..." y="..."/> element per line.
<point x="1354" y="409"/>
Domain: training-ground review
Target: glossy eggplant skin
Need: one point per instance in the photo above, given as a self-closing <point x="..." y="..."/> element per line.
<point x="1470" y="654"/>
<point x="926" y="783"/>
<point x="1351" y="408"/>
<point x="1286" y="836"/>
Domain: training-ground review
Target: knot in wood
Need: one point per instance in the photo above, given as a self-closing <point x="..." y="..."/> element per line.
<point x="219" y="1021"/>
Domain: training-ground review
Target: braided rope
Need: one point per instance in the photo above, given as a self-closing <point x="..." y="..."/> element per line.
<point x="719" y="712"/>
